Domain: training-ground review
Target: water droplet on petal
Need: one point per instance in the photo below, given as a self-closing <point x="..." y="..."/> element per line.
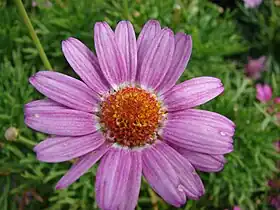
<point x="222" y="133"/>
<point x="181" y="188"/>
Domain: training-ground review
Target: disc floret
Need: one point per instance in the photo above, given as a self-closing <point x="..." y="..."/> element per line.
<point x="131" y="117"/>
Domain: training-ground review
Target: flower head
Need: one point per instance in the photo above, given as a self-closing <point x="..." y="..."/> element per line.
<point x="11" y="134"/>
<point x="276" y="100"/>
<point x="264" y="93"/>
<point x="275" y="201"/>
<point x="236" y="208"/>
<point x="34" y="3"/>
<point x="129" y="112"/>
<point x="254" y="67"/>
<point x="252" y="3"/>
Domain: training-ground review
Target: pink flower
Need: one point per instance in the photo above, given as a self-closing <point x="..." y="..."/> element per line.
<point x="129" y="112"/>
<point x="277" y="100"/>
<point x="275" y="201"/>
<point x="34" y="3"/>
<point x="254" y="67"/>
<point x="275" y="184"/>
<point x="264" y="93"/>
<point x="236" y="208"/>
<point x="252" y="3"/>
<point x="47" y="4"/>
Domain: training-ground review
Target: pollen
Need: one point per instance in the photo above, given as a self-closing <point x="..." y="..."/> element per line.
<point x="131" y="117"/>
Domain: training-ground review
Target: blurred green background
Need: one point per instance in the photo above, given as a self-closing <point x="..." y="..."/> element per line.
<point x="224" y="34"/>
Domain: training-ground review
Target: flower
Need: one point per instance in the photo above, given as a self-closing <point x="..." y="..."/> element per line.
<point x="276" y="100"/>
<point x="275" y="201"/>
<point x="34" y="3"/>
<point x="236" y="208"/>
<point x="274" y="183"/>
<point x="264" y="93"/>
<point x="46" y="4"/>
<point x="254" y="67"/>
<point x="252" y="3"/>
<point x="129" y="112"/>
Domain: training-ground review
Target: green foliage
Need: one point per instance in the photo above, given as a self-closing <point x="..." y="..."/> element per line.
<point x="217" y="40"/>
<point x="261" y="27"/>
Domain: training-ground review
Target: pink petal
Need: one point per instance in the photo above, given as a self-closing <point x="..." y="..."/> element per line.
<point x="112" y="178"/>
<point x="191" y="93"/>
<point x="82" y="166"/>
<point x="134" y="182"/>
<point x="181" y="56"/>
<point x="110" y="58"/>
<point x="85" y="64"/>
<point x="267" y="92"/>
<point x="202" y="161"/>
<point x="162" y="177"/>
<point x="58" y="149"/>
<point x="262" y="60"/>
<point x="65" y="90"/>
<point x="193" y="134"/>
<point x="43" y="105"/>
<point x="252" y="3"/>
<point x="145" y="39"/>
<point x="125" y="37"/>
<point x="276" y="100"/>
<point x="264" y="93"/>
<point x="157" y="60"/>
<point x="206" y="118"/>
<point x="254" y="67"/>
<point x="191" y="184"/>
<point x="59" y="120"/>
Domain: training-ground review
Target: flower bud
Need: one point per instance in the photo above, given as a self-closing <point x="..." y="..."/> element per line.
<point x="11" y="134"/>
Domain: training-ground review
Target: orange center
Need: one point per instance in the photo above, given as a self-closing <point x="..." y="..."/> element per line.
<point x="131" y="117"/>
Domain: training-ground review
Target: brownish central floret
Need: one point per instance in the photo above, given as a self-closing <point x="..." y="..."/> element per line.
<point x="131" y="116"/>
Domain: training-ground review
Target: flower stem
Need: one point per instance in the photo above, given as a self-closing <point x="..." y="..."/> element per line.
<point x="126" y="12"/>
<point x="33" y="34"/>
<point x="154" y="199"/>
<point x="26" y="141"/>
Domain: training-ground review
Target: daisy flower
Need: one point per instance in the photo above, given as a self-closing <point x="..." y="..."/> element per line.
<point x="263" y="93"/>
<point x="129" y="113"/>
<point x="255" y="67"/>
<point x="252" y="3"/>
